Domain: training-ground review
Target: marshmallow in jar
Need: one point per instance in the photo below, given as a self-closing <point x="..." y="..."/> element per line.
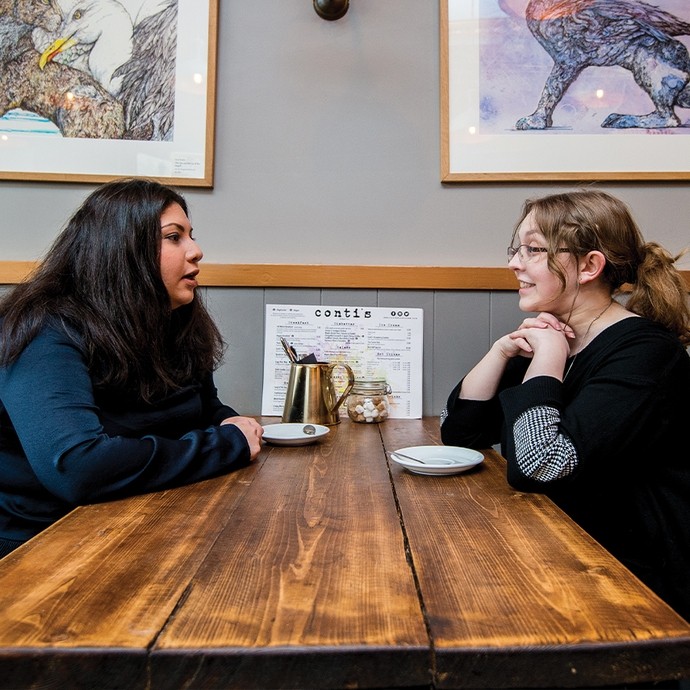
<point x="368" y="401"/>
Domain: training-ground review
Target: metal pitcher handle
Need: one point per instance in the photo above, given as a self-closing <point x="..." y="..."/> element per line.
<point x="348" y="388"/>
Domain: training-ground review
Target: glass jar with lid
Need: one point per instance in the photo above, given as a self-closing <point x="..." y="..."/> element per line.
<point x="368" y="401"/>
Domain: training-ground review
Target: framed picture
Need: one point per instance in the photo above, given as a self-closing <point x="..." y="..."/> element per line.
<point x="90" y="92"/>
<point x="558" y="90"/>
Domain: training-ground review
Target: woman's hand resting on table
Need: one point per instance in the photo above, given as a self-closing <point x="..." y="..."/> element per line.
<point x="252" y="430"/>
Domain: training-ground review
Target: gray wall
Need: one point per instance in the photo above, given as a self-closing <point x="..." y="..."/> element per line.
<point x="327" y="151"/>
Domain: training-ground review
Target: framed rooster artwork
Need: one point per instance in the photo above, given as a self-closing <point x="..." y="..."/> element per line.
<point x="565" y="90"/>
<point x="92" y="90"/>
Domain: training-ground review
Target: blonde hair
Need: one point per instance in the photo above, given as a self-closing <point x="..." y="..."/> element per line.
<point x="588" y="220"/>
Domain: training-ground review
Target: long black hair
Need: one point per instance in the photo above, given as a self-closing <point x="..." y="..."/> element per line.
<point x="102" y="280"/>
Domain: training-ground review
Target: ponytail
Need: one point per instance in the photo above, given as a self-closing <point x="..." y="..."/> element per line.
<point x="591" y="220"/>
<point x="659" y="293"/>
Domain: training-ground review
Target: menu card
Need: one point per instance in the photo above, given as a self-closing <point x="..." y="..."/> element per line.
<point x="376" y="342"/>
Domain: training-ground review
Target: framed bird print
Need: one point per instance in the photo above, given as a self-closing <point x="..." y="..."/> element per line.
<point x="93" y="90"/>
<point x="564" y="90"/>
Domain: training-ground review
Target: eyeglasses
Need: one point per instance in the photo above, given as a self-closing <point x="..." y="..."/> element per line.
<point x="527" y="253"/>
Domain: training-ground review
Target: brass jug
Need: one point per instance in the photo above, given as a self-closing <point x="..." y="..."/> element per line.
<point x="311" y="397"/>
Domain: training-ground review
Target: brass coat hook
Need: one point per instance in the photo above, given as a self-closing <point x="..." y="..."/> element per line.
<point x="331" y="9"/>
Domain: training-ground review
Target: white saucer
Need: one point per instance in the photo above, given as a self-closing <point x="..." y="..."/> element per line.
<point x="438" y="460"/>
<point x="292" y="434"/>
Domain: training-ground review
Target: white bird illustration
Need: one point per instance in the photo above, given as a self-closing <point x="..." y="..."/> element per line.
<point x="96" y="36"/>
<point x="134" y="61"/>
<point x="71" y="99"/>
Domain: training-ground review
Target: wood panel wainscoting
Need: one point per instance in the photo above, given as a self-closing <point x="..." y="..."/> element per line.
<point x="333" y="276"/>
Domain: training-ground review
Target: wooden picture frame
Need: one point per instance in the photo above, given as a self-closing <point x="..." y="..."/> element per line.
<point x="493" y="74"/>
<point x="139" y="102"/>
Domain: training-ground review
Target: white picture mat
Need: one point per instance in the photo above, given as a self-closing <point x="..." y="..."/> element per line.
<point x="576" y="145"/>
<point x="47" y="155"/>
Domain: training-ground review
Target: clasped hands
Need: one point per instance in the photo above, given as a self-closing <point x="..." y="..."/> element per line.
<point x="543" y="338"/>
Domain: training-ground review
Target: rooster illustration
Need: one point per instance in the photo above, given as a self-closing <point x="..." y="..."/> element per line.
<point x="601" y="33"/>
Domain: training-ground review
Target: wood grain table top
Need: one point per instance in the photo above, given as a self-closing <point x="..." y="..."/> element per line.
<point x="327" y="566"/>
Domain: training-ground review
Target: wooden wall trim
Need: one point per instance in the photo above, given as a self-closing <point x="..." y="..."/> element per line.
<point x="14" y="271"/>
<point x="372" y="277"/>
<point x="333" y="276"/>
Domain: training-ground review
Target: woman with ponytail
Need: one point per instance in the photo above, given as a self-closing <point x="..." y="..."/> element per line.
<point x="590" y="396"/>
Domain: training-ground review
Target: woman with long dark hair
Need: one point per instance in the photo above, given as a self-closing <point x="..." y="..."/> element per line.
<point x="589" y="397"/>
<point x="106" y="365"/>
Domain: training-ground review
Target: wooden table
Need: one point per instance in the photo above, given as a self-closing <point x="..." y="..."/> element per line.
<point x="324" y="566"/>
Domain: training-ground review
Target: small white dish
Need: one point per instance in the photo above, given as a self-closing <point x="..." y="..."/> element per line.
<point x="438" y="460"/>
<point x="292" y="434"/>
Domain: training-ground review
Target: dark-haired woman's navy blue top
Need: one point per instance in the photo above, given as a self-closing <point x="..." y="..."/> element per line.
<point x="62" y="444"/>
